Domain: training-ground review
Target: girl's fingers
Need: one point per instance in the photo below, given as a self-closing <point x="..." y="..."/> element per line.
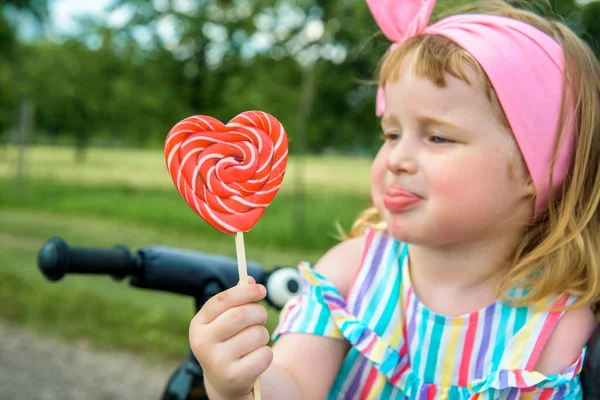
<point x="230" y="298"/>
<point x="245" y="342"/>
<point x="252" y="365"/>
<point x="237" y="319"/>
<point x="251" y="280"/>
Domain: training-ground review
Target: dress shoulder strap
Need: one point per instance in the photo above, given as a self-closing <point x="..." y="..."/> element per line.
<point x="525" y="347"/>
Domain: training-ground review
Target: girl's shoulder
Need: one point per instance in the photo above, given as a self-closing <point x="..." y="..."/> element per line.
<point x="568" y="338"/>
<point x="341" y="263"/>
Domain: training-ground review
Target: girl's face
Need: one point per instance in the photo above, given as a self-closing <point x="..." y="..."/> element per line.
<point x="448" y="170"/>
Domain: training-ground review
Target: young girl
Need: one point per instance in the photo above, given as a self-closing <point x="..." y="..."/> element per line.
<point x="477" y="279"/>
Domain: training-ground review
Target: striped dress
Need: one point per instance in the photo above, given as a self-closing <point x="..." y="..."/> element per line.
<point x="402" y="350"/>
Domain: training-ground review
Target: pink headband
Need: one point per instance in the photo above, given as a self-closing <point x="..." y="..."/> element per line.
<point x="525" y="67"/>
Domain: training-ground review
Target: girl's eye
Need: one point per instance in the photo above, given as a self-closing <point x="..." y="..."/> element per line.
<point x="390" y="137"/>
<point x="439" y="140"/>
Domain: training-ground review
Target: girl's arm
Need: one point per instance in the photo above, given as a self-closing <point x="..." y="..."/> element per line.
<point x="299" y="366"/>
<point x="305" y="366"/>
<point x="567" y="341"/>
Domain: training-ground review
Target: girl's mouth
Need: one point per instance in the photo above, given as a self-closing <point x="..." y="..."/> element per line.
<point x="396" y="200"/>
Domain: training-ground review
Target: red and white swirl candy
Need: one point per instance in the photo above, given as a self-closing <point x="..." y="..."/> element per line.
<point x="228" y="174"/>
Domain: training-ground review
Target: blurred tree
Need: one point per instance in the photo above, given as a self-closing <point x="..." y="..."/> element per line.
<point x="312" y="63"/>
<point x="67" y="82"/>
<point x="7" y="78"/>
<point x="85" y="94"/>
<point x="590" y="21"/>
<point x="12" y="15"/>
<point x="37" y="8"/>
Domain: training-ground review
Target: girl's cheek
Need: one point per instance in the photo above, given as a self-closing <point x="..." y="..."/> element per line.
<point x="378" y="169"/>
<point x="378" y="174"/>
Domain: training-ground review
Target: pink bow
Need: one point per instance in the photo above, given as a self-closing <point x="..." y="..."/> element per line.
<point x="398" y="23"/>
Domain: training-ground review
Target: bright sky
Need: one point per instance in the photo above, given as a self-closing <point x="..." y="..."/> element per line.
<point x="64" y="15"/>
<point x="64" y="12"/>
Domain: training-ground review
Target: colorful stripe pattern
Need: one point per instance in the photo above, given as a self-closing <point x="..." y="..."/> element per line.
<point x="412" y="352"/>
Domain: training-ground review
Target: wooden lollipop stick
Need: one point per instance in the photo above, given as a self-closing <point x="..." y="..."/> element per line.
<point x="243" y="272"/>
<point x="256" y="391"/>
<point x="241" y="257"/>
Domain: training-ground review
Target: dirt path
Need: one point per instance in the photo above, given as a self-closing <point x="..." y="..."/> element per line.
<point x="36" y="368"/>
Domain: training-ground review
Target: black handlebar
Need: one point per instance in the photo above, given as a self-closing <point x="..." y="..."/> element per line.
<point x="56" y="258"/>
<point x="190" y="273"/>
<point x="168" y="269"/>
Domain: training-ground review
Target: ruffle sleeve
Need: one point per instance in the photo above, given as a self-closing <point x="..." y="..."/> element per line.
<point x="321" y="310"/>
<point x="309" y="312"/>
<point x="564" y="386"/>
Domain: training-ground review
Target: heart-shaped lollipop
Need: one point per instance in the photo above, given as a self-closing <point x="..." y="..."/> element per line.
<point x="228" y="174"/>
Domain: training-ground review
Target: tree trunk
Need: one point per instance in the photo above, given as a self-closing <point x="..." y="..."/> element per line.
<point x="4" y="149"/>
<point x="197" y="100"/>
<point x="81" y="144"/>
<point x="25" y="129"/>
<point x="83" y="131"/>
<point x="307" y="97"/>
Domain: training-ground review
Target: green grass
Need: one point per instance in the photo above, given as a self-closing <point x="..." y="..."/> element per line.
<point x="126" y="197"/>
<point x="133" y="186"/>
<point x="104" y="312"/>
<point x="146" y="169"/>
<point x="98" y="310"/>
<point x="166" y="210"/>
<point x="79" y="313"/>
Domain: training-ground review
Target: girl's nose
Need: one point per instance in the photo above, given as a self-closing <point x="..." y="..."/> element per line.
<point x="402" y="159"/>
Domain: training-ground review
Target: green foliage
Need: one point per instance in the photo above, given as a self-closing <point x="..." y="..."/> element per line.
<point x="115" y="86"/>
<point x="7" y="97"/>
<point x="126" y="86"/>
<point x="104" y="313"/>
<point x="84" y="93"/>
<point x="164" y="209"/>
<point x="157" y="332"/>
<point x="100" y="213"/>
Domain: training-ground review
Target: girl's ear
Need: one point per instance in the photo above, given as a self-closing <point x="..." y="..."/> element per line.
<point x="518" y="171"/>
<point x="529" y="188"/>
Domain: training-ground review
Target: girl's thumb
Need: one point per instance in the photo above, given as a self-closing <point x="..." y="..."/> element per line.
<point x="251" y="280"/>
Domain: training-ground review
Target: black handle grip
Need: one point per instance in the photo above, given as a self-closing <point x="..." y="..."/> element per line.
<point x="189" y="272"/>
<point x="56" y="258"/>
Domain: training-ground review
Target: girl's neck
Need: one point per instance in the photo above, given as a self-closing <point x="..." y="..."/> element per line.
<point x="461" y="278"/>
<point x="461" y="268"/>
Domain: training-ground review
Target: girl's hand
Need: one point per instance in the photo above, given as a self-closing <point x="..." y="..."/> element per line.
<point x="229" y="339"/>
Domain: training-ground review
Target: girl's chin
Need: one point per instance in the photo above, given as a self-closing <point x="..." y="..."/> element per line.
<point x="405" y="230"/>
<point x="398" y="230"/>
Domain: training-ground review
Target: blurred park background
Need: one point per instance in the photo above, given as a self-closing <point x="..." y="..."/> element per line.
<point x="89" y="90"/>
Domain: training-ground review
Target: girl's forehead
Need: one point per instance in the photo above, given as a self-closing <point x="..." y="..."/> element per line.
<point x="458" y="106"/>
<point x="438" y="68"/>
<point x="412" y="90"/>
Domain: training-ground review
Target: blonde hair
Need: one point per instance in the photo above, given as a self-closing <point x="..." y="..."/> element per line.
<point x="560" y="253"/>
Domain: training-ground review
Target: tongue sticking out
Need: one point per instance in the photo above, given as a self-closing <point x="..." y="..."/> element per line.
<point x="396" y="200"/>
